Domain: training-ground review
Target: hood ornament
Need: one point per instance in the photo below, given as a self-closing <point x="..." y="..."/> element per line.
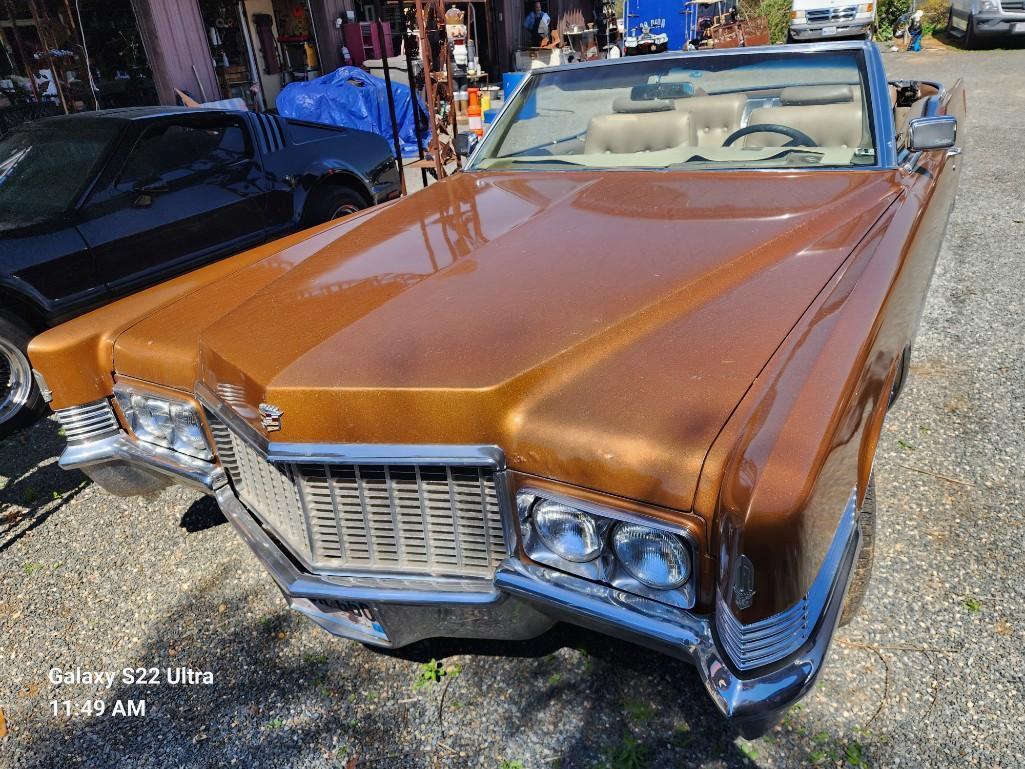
<point x="270" y="417"/>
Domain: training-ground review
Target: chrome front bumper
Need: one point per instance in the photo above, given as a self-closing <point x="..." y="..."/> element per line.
<point x="813" y="30"/>
<point x="523" y="601"/>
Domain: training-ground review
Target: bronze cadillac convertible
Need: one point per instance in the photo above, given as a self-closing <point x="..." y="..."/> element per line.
<point x="627" y="370"/>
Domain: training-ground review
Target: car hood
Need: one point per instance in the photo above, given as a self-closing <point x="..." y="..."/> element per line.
<point x="600" y="328"/>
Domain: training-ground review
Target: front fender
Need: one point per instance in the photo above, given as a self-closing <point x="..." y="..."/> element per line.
<point x="780" y="474"/>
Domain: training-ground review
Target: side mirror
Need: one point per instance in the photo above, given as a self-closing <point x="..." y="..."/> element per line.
<point x="465" y="142"/>
<point x="938" y="132"/>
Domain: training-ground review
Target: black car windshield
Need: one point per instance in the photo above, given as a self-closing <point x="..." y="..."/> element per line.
<point x="44" y="169"/>
<point x="765" y="109"/>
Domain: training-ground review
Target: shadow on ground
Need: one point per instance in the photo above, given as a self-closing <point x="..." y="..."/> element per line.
<point x="35" y="488"/>
<point x="291" y="704"/>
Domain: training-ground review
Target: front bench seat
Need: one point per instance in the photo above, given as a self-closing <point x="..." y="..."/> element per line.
<point x="829" y="114"/>
<point x="627" y="132"/>
<point x="713" y="118"/>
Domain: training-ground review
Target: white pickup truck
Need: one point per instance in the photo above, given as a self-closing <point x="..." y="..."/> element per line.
<point x="825" y="19"/>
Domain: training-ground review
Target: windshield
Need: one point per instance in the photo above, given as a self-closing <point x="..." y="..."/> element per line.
<point x="757" y="110"/>
<point x="43" y="170"/>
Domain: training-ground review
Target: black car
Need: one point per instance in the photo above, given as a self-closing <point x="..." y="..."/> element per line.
<point x="97" y="205"/>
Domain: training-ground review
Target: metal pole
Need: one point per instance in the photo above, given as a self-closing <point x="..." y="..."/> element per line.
<point x="391" y="96"/>
<point x="21" y="49"/>
<point x="46" y="50"/>
<point x="414" y="96"/>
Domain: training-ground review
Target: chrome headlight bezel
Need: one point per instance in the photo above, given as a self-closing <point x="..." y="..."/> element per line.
<point x="605" y="567"/>
<point x="163" y="420"/>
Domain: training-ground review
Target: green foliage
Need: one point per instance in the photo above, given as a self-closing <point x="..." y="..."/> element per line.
<point x="505" y="763"/>
<point x="776" y="12"/>
<point x="854" y="757"/>
<point x="629" y="754"/>
<point x="432" y="672"/>
<point x="639" y="711"/>
<point x="887" y="14"/>
<point x="748" y="749"/>
<point x="974" y="605"/>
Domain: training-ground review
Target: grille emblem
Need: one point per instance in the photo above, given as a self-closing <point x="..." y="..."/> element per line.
<point x="744" y="582"/>
<point x="270" y="417"/>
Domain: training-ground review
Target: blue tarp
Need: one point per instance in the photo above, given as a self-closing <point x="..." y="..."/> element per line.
<point x="350" y="97"/>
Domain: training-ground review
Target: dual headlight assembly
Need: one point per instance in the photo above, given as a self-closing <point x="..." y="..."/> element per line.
<point x="164" y="421"/>
<point x="646" y="560"/>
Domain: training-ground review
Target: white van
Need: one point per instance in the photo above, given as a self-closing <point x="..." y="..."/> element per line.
<point x="825" y="19"/>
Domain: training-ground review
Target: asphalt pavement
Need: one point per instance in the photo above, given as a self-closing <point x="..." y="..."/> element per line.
<point x="931" y="674"/>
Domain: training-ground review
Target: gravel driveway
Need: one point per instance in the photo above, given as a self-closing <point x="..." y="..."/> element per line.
<point x="931" y="674"/>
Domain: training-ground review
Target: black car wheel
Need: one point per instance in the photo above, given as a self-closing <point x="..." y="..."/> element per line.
<point x="863" y="566"/>
<point x="332" y="202"/>
<point x="20" y="401"/>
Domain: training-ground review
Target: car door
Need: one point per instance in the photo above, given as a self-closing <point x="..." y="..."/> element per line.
<point x="44" y="171"/>
<point x="188" y="192"/>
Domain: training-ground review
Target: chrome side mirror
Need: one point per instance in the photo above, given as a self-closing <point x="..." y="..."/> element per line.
<point x="938" y="132"/>
<point x="465" y="142"/>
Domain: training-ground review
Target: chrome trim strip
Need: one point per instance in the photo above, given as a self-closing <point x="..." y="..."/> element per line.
<point x="120" y="447"/>
<point x="613" y="513"/>
<point x="88" y="422"/>
<point x="350" y="453"/>
<point x="769" y="640"/>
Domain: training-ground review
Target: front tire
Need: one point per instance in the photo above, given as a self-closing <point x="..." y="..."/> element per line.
<point x="863" y="566"/>
<point x="331" y="202"/>
<point x="20" y="400"/>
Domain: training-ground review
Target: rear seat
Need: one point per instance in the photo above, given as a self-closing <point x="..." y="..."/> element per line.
<point x="829" y="114"/>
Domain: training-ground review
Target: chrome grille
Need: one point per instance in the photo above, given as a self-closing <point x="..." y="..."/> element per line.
<point x="1012" y="5"/>
<point x="832" y="14"/>
<point x="419" y="519"/>
<point x="93" y="420"/>
<point x="771" y="639"/>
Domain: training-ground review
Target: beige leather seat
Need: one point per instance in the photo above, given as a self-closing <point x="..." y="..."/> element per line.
<point x="637" y="132"/>
<point x="712" y="118"/>
<point x="829" y="114"/>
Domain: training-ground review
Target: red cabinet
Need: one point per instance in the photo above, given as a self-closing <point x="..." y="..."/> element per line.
<point x="363" y="39"/>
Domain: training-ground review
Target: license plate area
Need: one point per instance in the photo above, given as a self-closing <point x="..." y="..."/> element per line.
<point x="829" y="30"/>
<point x="359" y="615"/>
<point x="1018" y="28"/>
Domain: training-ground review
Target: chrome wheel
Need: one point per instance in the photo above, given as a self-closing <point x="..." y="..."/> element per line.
<point x="15" y="380"/>
<point x="344" y="210"/>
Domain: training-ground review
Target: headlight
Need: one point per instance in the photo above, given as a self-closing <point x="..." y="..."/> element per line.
<point x="607" y="546"/>
<point x="989" y="5"/>
<point x="797" y="15"/>
<point x="164" y="422"/>
<point x="655" y="558"/>
<point x="867" y="8"/>
<point x="568" y="533"/>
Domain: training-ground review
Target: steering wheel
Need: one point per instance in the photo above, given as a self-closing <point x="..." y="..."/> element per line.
<point x="797" y="138"/>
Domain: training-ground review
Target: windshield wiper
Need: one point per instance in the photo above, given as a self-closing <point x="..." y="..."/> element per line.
<point x="697" y="160"/>
<point x="544" y="161"/>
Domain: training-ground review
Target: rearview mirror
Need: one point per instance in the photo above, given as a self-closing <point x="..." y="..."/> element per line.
<point x="465" y="143"/>
<point x="938" y="132"/>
